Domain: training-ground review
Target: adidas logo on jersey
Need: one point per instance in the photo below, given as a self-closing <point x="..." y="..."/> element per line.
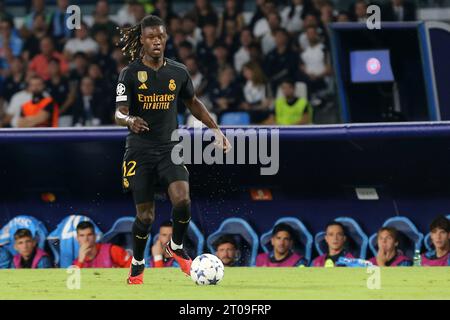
<point x="143" y="86"/>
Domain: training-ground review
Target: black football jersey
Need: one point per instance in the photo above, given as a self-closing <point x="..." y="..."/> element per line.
<point x="152" y="95"/>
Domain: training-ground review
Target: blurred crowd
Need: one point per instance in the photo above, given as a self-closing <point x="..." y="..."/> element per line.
<point x="273" y="64"/>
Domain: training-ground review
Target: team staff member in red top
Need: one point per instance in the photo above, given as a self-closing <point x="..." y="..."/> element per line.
<point x="98" y="255"/>
<point x="41" y="110"/>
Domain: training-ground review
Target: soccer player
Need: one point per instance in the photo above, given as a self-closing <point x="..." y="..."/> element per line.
<point x="147" y="93"/>
<point x="282" y="254"/>
<point x="388" y="255"/>
<point x="98" y="255"/>
<point x="440" y="237"/>
<point x="335" y="239"/>
<point x="29" y="256"/>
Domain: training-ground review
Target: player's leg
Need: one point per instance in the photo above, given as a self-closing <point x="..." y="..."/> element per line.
<point x="176" y="179"/>
<point x="181" y="211"/>
<point x="139" y="178"/>
<point x="140" y="233"/>
<point x="181" y="215"/>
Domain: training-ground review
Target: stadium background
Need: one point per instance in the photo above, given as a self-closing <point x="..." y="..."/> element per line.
<point x="320" y="165"/>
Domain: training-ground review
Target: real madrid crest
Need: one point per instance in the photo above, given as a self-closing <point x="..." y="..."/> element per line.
<point x="142" y="76"/>
<point x="172" y="85"/>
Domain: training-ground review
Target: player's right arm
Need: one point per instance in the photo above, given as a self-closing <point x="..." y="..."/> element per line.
<point x="124" y="93"/>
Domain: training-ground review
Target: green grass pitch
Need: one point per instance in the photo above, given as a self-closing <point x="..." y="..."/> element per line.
<point x="238" y="283"/>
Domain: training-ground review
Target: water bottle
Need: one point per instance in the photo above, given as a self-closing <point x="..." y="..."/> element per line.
<point x="417" y="258"/>
<point x="352" y="262"/>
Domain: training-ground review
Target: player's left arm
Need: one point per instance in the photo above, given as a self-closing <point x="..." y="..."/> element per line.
<point x="199" y="111"/>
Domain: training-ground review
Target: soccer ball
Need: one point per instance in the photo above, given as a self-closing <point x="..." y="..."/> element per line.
<point x="207" y="269"/>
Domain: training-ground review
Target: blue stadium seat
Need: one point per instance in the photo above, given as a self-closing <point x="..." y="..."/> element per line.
<point x="357" y="240"/>
<point x="37" y="228"/>
<point x="427" y="239"/>
<point x="246" y="238"/>
<point x="63" y="242"/>
<point x="194" y="242"/>
<point x="235" y="119"/>
<point x="120" y="234"/>
<point x="5" y="258"/>
<point x="303" y="239"/>
<point x="410" y="238"/>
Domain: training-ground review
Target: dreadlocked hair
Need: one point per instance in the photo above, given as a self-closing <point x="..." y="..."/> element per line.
<point x="130" y="42"/>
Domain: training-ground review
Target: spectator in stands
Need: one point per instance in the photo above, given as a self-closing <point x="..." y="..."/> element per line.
<point x="221" y="59"/>
<point x="15" y="81"/>
<point x="258" y="14"/>
<point x="290" y="109"/>
<point x="80" y="64"/>
<point x="256" y="54"/>
<point x="102" y="20"/>
<point x="104" y="55"/>
<point x="31" y="46"/>
<point x="14" y="109"/>
<point x="189" y="27"/>
<point x="315" y="64"/>
<point x="257" y="96"/>
<point x="398" y="10"/>
<point x="440" y="237"/>
<point x="335" y="238"/>
<point x="139" y="11"/>
<point x="343" y="16"/>
<point x="81" y="43"/>
<point x="327" y="13"/>
<point x="227" y="250"/>
<point x="38" y="8"/>
<point x="199" y="81"/>
<point x="360" y="11"/>
<point x="5" y="258"/>
<point x="98" y="255"/>
<point x="4" y="14"/>
<point x="41" y="110"/>
<point x="282" y="255"/>
<point x="125" y="15"/>
<point x="10" y="44"/>
<point x="205" y="48"/>
<point x="163" y="9"/>
<point x="388" y="254"/>
<point x="268" y="39"/>
<point x="204" y="13"/>
<point x="39" y="64"/>
<point x="291" y="16"/>
<point x="261" y="26"/>
<point x="29" y="255"/>
<point x="280" y="61"/>
<point x="63" y="94"/>
<point x="185" y="50"/>
<point x="232" y="13"/>
<point x="310" y="20"/>
<point x="58" y="24"/>
<point x="224" y="93"/>
<point x="242" y="55"/>
<point x="174" y="25"/>
<point x="231" y="37"/>
<point x="160" y="258"/>
<point x="89" y="108"/>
